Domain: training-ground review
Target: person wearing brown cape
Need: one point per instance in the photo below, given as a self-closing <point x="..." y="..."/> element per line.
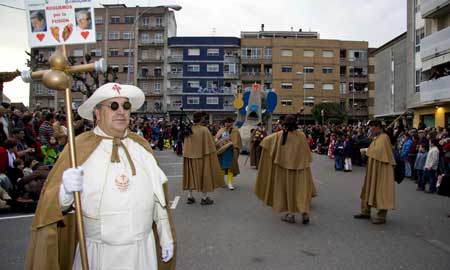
<point x="378" y="190"/>
<point x="201" y="169"/>
<point x="229" y="159"/>
<point x="256" y="137"/>
<point x="123" y="194"/>
<point x="284" y="181"/>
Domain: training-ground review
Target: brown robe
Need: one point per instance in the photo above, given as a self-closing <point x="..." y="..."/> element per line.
<point x="255" y="149"/>
<point x="235" y="137"/>
<point x="284" y="179"/>
<point x="53" y="239"/>
<point x="201" y="168"/>
<point x="378" y="190"/>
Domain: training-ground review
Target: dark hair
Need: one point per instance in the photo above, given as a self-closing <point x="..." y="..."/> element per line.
<point x="27" y="118"/>
<point x="229" y="119"/>
<point x="49" y="116"/>
<point x="290" y="124"/>
<point x="10" y="143"/>
<point x="375" y="123"/>
<point x="434" y="142"/>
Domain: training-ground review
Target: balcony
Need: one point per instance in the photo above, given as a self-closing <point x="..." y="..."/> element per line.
<point x="435" y="45"/>
<point x="151" y="27"/>
<point x="175" y="59"/>
<point x="231" y="75"/>
<point x="231" y="59"/>
<point x="150" y="77"/>
<point x="268" y="75"/>
<point x="151" y="60"/>
<point x="434" y="8"/>
<point x="435" y="90"/>
<point x="175" y="75"/>
<point x="251" y="75"/>
<point x="173" y="107"/>
<point x="256" y="59"/>
<point x="358" y="94"/>
<point x="151" y="43"/>
<point x="175" y="90"/>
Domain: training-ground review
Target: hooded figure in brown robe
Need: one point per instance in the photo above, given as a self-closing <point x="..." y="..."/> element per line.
<point x="378" y="190"/>
<point x="201" y="169"/>
<point x="284" y="181"/>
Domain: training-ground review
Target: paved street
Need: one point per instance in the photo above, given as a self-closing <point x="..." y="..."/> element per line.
<point x="239" y="232"/>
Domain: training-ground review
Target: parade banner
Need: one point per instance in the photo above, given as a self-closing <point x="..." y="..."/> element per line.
<point x="59" y="22"/>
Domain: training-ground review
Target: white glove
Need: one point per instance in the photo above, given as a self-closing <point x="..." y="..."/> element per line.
<point x="73" y="180"/>
<point x="167" y="252"/>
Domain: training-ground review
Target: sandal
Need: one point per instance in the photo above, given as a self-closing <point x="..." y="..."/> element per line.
<point x="288" y="218"/>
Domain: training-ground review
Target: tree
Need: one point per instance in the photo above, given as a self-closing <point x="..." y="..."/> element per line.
<point x="332" y="112"/>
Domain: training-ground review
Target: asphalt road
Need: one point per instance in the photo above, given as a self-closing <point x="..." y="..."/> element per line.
<point x="238" y="232"/>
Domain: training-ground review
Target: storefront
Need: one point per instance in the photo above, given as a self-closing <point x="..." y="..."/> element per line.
<point x="435" y="116"/>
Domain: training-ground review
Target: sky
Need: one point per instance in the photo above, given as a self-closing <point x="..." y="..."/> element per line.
<point x="375" y="21"/>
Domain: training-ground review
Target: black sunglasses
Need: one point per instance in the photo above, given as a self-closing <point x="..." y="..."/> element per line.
<point x="114" y="105"/>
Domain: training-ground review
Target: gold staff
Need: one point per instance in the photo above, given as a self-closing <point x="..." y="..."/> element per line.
<point x="58" y="77"/>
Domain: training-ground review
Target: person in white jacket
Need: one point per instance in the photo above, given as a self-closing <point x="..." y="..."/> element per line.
<point x="430" y="168"/>
<point x="121" y="188"/>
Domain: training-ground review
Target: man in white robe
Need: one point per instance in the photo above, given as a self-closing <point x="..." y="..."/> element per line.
<point x="121" y="188"/>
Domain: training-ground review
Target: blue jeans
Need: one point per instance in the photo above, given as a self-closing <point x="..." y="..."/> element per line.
<point x="338" y="162"/>
<point x="429" y="176"/>
<point x="407" y="168"/>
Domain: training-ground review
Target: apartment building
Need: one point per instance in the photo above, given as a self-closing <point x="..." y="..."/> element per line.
<point x="203" y="75"/>
<point x="133" y="41"/>
<point x="305" y="70"/>
<point x="390" y="71"/>
<point x="429" y="56"/>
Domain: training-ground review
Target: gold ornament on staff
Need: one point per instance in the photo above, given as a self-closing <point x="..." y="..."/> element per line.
<point x="58" y="77"/>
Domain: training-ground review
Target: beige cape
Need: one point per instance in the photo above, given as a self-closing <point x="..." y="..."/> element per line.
<point x="284" y="179"/>
<point x="235" y="137"/>
<point x="53" y="239"/>
<point x="379" y="188"/>
<point x="201" y="168"/>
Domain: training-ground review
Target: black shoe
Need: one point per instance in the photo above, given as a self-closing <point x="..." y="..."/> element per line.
<point x="206" y="201"/>
<point x="378" y="221"/>
<point x="288" y="218"/>
<point x="305" y="218"/>
<point x="190" y="200"/>
<point x="361" y="216"/>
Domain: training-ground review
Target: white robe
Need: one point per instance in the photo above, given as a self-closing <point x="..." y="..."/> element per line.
<point x="118" y="224"/>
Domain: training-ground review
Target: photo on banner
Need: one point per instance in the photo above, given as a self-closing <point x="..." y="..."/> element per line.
<point x="60" y="22"/>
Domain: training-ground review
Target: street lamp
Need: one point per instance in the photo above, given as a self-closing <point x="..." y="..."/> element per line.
<point x="302" y="74"/>
<point x="135" y="37"/>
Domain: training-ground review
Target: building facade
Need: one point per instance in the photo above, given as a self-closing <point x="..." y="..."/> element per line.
<point x="203" y="75"/>
<point x="305" y="70"/>
<point x="390" y="78"/>
<point x="133" y="41"/>
<point x="429" y="60"/>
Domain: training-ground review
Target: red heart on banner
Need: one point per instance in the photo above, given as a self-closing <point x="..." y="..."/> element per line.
<point x="40" y="36"/>
<point x="85" y="34"/>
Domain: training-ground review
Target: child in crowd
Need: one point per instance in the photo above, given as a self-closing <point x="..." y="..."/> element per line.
<point x="338" y="155"/>
<point x="419" y="165"/>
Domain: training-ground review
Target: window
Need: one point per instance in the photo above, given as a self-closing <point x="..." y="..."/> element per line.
<point x="357" y="55"/>
<point x="308" y="102"/>
<point x="213" y="52"/>
<point x="51" y="92"/>
<point x="98" y="36"/>
<point x="212" y="100"/>
<point x="157" y="87"/>
<point x="115" y="68"/>
<point x="176" y="69"/>
<point x="158" y="38"/>
<point x="286" y="85"/>
<point x="308" y="70"/>
<point x="193" y="68"/>
<point x="308" y="86"/>
<point x="327" y="70"/>
<point x="308" y="53"/>
<point x="127" y="52"/>
<point x="286" y="69"/>
<point x="128" y="35"/>
<point x="418" y="79"/>
<point x="146" y="21"/>
<point x="145" y="38"/>
<point x="328" y="54"/>
<point x="114" y="35"/>
<point x="420" y="34"/>
<point x="159" y="21"/>
<point x="229" y="68"/>
<point x="78" y="53"/>
<point x="96" y="52"/>
<point x="428" y="120"/>
<point x="193" y="100"/>
<point x="129" y="19"/>
<point x="212" y="84"/>
<point x="212" y="68"/>
<point x="252" y="53"/>
<point x="286" y="52"/>
<point x="193" y="84"/>
<point x="113" y="52"/>
<point x="193" y="52"/>
<point x="115" y="19"/>
<point x="268" y="53"/>
<point x="98" y="19"/>
<point x="125" y="68"/>
<point x="144" y="85"/>
<point x="286" y="102"/>
<point x="343" y="88"/>
<point x="328" y="86"/>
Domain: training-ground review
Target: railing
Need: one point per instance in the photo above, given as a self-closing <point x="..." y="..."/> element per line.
<point x="429" y="8"/>
<point x="435" y="44"/>
<point x="174" y="75"/>
<point x="231" y="75"/>
<point x="151" y="26"/>
<point x="175" y="58"/>
<point x="151" y="43"/>
<point x="435" y="90"/>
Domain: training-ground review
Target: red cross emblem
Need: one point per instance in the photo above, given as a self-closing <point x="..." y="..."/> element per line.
<point x="116" y="88"/>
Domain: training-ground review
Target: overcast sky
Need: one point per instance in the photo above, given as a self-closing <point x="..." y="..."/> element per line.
<point x="375" y="21"/>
